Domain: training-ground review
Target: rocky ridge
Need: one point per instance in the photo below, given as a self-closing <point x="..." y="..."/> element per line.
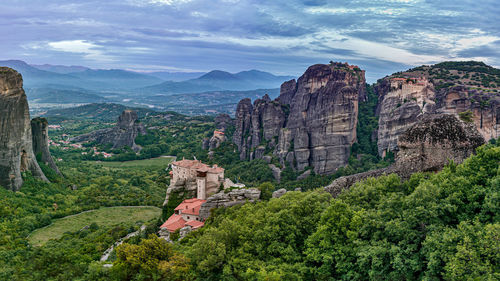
<point x="450" y="87"/>
<point x="427" y="146"/>
<point x="311" y="124"/>
<point x="16" y="147"/>
<point x="123" y="134"/>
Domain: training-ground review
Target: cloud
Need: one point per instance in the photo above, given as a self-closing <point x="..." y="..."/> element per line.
<point x="89" y="50"/>
<point x="283" y="36"/>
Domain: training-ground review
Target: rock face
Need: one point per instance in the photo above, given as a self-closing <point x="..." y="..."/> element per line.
<point x="232" y="198"/>
<point x="311" y="124"/>
<point x="405" y="98"/>
<point x="16" y="148"/>
<point x="123" y="134"/>
<point x="427" y="146"/>
<point x="40" y="137"/>
<point x="223" y="122"/>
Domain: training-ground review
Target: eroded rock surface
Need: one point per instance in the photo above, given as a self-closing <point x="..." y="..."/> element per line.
<point x="446" y="88"/>
<point x="16" y="147"/>
<point x="311" y="124"/>
<point x="123" y="134"/>
<point x="427" y="146"/>
<point x="232" y="198"/>
<point x="40" y="137"/>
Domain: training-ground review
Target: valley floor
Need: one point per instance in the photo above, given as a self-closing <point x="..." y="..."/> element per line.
<point x="106" y="217"/>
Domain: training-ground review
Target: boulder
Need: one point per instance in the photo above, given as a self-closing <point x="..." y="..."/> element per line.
<point x="276" y="172"/>
<point x="278" y="193"/>
<point x="232" y="198"/>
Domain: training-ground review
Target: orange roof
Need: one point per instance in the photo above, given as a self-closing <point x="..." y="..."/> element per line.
<point x="173" y="223"/>
<point x="195" y="224"/>
<point x="190" y="206"/>
<point x="218" y="132"/>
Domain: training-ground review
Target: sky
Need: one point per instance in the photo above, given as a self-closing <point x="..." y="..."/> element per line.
<point x="280" y="36"/>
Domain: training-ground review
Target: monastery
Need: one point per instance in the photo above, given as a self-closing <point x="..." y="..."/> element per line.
<point x="207" y="179"/>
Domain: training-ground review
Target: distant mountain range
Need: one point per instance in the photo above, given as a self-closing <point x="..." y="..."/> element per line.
<point x="176" y="76"/>
<point x="96" y="80"/>
<point x="48" y="86"/>
<point x="73" y="77"/>
<point x="217" y="80"/>
<point x="61" y="69"/>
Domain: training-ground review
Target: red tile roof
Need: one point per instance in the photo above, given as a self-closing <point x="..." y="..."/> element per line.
<point x="173" y="223"/>
<point x="190" y="206"/>
<point x="195" y="224"/>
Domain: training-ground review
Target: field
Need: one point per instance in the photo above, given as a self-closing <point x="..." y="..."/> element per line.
<point x="153" y="163"/>
<point x="103" y="217"/>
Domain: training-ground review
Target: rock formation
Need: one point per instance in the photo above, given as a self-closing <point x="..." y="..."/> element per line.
<point x="427" y="146"/>
<point x="311" y="124"/>
<point x="232" y="198"/>
<point x="405" y="98"/>
<point x="40" y="137"/>
<point x="222" y="123"/>
<point x="123" y="134"/>
<point x="278" y="193"/>
<point x="16" y="148"/>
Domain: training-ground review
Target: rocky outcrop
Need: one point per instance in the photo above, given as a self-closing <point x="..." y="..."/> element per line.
<point x="123" y="134"/>
<point x="16" y="147"/>
<point x="311" y="124"/>
<point x="40" y="137"/>
<point x="427" y="146"/>
<point x="276" y="172"/>
<point x="223" y="122"/>
<point x="405" y="98"/>
<point x="278" y="193"/>
<point x="242" y="124"/>
<point x="232" y="198"/>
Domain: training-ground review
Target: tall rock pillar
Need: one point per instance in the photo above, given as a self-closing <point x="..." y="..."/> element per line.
<point x="16" y="150"/>
<point x="40" y="137"/>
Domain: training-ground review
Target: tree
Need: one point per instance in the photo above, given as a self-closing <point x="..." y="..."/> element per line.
<point x="266" y="190"/>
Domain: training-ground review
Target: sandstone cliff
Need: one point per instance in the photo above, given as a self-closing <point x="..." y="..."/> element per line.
<point x="123" y="134"/>
<point x="16" y="150"/>
<point x="450" y="87"/>
<point x="40" y="137"/>
<point x="311" y="124"/>
<point x="426" y="146"/>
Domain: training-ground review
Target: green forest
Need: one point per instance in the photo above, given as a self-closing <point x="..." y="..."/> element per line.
<point x="434" y="226"/>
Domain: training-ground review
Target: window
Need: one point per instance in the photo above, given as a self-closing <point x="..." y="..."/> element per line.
<point x="188" y="217"/>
